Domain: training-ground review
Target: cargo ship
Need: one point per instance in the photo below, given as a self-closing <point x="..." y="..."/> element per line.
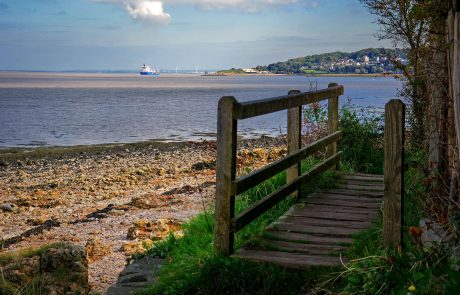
<point x="147" y="71"/>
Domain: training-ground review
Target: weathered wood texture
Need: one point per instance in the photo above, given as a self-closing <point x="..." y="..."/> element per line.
<point x="261" y="206"/>
<point x="252" y="179"/>
<point x="225" y="174"/>
<point x="318" y="230"/>
<point x="332" y="120"/>
<point x="453" y="26"/>
<point x="229" y="111"/>
<point x="294" y="127"/>
<point x="393" y="173"/>
<point x="256" y="108"/>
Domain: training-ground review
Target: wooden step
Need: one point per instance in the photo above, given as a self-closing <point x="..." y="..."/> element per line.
<point x="350" y="192"/>
<point x="372" y="188"/>
<point x="326" y="222"/>
<point x="287" y="259"/>
<point x="326" y="196"/>
<point x="343" y="203"/>
<point x="362" y="178"/>
<point x="307" y="238"/>
<point x="307" y="248"/>
<point x="312" y="229"/>
<point x="318" y="230"/>
<point x="359" y="182"/>
<point x="343" y="216"/>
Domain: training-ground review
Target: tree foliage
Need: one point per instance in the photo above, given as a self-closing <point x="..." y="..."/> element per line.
<point x="323" y="62"/>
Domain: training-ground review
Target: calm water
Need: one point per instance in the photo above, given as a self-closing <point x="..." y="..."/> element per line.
<point x="71" y="109"/>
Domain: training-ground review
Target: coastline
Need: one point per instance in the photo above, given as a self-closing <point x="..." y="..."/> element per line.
<point x="96" y="193"/>
<point x="308" y="75"/>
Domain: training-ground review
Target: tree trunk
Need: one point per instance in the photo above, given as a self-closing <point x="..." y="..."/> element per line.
<point x="453" y="35"/>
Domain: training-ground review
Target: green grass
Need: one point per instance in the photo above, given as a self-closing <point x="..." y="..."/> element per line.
<point x="194" y="268"/>
<point x="375" y="270"/>
<point x="315" y="72"/>
<point x="6" y="258"/>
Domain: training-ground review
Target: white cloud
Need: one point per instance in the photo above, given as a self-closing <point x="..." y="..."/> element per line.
<point x="152" y="11"/>
<point x="146" y="11"/>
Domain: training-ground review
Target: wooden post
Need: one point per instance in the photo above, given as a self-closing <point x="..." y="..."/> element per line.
<point x="332" y="121"/>
<point x="225" y="174"/>
<point x="294" y="139"/>
<point x="393" y="197"/>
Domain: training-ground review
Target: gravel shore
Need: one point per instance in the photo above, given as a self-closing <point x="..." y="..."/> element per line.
<point x="80" y="194"/>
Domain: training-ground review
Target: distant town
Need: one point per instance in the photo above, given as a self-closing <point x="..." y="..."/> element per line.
<point x="365" y="61"/>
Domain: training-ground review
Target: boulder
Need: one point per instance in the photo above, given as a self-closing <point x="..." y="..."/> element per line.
<point x="95" y="249"/>
<point x="145" y="229"/>
<point x="62" y="269"/>
<point x="65" y="270"/>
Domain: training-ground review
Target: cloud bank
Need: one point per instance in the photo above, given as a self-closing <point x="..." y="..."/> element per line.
<point x="152" y="11"/>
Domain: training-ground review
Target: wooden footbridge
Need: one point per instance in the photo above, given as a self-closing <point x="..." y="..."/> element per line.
<point x="317" y="230"/>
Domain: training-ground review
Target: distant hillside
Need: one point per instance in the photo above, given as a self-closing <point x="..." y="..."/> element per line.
<point x="364" y="61"/>
<point x="232" y="71"/>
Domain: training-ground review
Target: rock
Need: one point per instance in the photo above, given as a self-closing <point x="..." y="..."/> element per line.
<point x="95" y="250"/>
<point x="148" y="201"/>
<point x="276" y="153"/>
<point x="260" y="153"/>
<point x="65" y="270"/>
<point x="130" y="248"/>
<point x="22" y="271"/>
<point x="136" y="247"/>
<point x="61" y="270"/>
<point x="145" y="229"/>
<point x="431" y="232"/>
<point x="8" y="207"/>
<point x="136" y="276"/>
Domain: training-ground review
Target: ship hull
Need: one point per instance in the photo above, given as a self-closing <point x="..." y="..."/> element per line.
<point x="149" y="74"/>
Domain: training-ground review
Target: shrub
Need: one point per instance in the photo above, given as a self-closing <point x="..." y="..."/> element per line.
<point x="362" y="142"/>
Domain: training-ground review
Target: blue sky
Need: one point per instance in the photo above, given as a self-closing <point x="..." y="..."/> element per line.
<point x="211" y="34"/>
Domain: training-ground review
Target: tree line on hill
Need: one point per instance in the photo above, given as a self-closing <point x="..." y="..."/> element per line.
<point x="364" y="61"/>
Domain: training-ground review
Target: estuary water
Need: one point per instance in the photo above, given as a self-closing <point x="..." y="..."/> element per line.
<point x="61" y="109"/>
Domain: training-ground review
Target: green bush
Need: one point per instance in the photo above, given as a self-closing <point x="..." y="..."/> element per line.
<point x="362" y="142"/>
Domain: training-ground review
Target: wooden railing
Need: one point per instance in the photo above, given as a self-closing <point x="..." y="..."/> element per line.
<point x="228" y="187"/>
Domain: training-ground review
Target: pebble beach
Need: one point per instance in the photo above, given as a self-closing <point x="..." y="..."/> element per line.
<point x="92" y="195"/>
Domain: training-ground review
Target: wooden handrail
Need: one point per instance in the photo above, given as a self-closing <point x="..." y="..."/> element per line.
<point x="261" y="206"/>
<point x="256" y="177"/>
<point x="260" y="107"/>
<point x="227" y="187"/>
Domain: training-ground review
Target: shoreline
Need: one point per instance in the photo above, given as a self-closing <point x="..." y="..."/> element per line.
<point x="108" y="188"/>
<point x="31" y="153"/>
<point x="130" y="74"/>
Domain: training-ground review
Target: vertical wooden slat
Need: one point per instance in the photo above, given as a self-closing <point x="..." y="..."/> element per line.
<point x="332" y="122"/>
<point x="393" y="174"/>
<point x="294" y="139"/>
<point x="225" y="174"/>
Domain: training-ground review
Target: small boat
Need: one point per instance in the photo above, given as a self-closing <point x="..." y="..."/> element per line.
<point x="147" y="71"/>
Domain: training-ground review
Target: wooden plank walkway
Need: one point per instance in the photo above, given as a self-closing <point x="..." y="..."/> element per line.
<point x="318" y="230"/>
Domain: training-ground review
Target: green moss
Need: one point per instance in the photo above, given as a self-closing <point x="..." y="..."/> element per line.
<point x="9" y="257"/>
